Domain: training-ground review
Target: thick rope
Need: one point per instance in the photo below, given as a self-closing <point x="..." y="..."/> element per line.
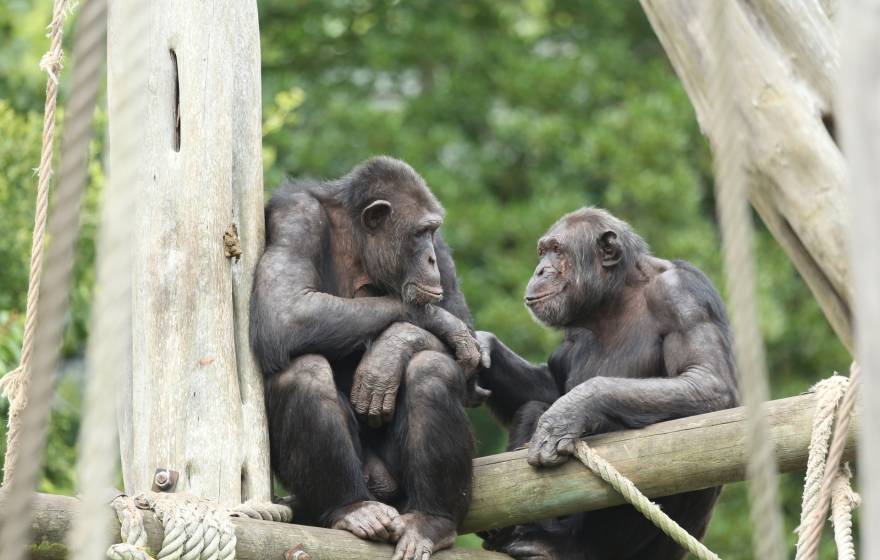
<point x="843" y="502"/>
<point x="14" y="385"/>
<point x="108" y="352"/>
<point x="646" y="507"/>
<point x="813" y="521"/>
<point x="134" y="536"/>
<point x="27" y="445"/>
<point x="739" y="265"/>
<point x="195" y="528"/>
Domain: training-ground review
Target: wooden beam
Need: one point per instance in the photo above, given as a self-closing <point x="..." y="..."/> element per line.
<point x="786" y="59"/>
<point x="668" y="458"/>
<point x="257" y="540"/>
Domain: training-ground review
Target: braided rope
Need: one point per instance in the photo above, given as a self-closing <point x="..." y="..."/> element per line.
<point x="266" y="511"/>
<point x="14" y="385"/>
<point x="34" y="382"/>
<point x="843" y="502"/>
<point x="739" y="265"/>
<point x="646" y="507"/>
<point x="134" y="536"/>
<point x="813" y="520"/>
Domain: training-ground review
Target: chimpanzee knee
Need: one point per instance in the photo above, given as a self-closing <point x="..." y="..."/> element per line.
<point x="434" y="375"/>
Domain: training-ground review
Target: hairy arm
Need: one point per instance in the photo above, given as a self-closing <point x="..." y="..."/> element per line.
<point x="512" y="380"/>
<point x="699" y="365"/>
<point x="290" y="315"/>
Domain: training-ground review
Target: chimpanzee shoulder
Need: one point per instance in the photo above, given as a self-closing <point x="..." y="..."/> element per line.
<point x="683" y="295"/>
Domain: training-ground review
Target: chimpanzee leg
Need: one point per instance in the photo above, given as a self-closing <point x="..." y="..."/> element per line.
<point x="432" y="448"/>
<point x="555" y="539"/>
<point x="320" y="462"/>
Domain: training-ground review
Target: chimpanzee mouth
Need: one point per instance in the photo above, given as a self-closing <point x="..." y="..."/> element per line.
<point x="425" y="294"/>
<point x="534" y="300"/>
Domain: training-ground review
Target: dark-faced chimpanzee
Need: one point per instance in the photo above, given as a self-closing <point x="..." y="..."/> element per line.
<point x="354" y="264"/>
<point x="646" y="340"/>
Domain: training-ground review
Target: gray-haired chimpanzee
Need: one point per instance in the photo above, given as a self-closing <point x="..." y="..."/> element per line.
<point x="646" y="340"/>
<point x="352" y="264"/>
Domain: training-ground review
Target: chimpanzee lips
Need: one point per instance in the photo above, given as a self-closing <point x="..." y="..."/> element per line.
<point x="425" y="294"/>
<point x="532" y="300"/>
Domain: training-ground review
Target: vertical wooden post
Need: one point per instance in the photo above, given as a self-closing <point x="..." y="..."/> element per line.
<point x="787" y="59"/>
<point x="858" y="104"/>
<point x="193" y="401"/>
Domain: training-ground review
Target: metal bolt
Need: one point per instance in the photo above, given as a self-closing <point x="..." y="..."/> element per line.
<point x="162" y="479"/>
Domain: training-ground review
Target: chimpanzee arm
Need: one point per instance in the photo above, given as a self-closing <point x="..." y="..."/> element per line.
<point x="377" y="378"/>
<point x="513" y="380"/>
<point x="698" y="360"/>
<point x="290" y="315"/>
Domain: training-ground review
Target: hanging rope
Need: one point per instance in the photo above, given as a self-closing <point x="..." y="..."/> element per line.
<point x="26" y="445"/>
<point x="827" y="484"/>
<point x="14" y="385"/>
<point x="646" y="507"/>
<point x="739" y="266"/>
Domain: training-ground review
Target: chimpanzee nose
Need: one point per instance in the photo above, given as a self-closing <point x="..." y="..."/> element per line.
<point x="541" y="271"/>
<point x="431" y="260"/>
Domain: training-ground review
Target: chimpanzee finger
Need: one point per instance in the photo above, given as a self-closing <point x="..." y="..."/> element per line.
<point x="359" y="400"/>
<point x="374" y="415"/>
<point x="566" y="446"/>
<point x="485" y="357"/>
<point x="388" y="407"/>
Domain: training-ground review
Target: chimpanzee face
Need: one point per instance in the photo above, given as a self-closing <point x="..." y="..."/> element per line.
<point x="399" y="254"/>
<point x="578" y="269"/>
<point x="549" y="290"/>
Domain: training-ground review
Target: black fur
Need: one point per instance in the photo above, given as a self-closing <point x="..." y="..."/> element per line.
<point x="329" y="283"/>
<point x="646" y="340"/>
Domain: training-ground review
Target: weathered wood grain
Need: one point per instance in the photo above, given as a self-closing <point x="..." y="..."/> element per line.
<point x="667" y="458"/>
<point x="787" y="60"/>
<point x="193" y="399"/>
<point x="677" y="456"/>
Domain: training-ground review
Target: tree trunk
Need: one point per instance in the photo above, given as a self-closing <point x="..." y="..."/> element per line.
<point x="193" y="399"/>
<point x="786" y="59"/>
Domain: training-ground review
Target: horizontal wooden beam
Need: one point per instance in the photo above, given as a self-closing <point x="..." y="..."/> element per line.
<point x="663" y="459"/>
<point x="667" y="458"/>
<point x="257" y="540"/>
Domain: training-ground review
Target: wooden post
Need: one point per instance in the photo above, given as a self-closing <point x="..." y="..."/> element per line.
<point x="193" y="401"/>
<point x="787" y="59"/>
<point x="859" y="110"/>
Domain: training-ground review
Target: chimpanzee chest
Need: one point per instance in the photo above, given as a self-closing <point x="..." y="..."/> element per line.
<point x="633" y="351"/>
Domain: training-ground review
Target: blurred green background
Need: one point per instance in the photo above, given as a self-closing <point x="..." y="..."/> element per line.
<point x="514" y="111"/>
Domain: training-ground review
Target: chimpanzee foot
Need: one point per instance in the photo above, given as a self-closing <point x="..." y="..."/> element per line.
<point x="368" y="520"/>
<point x="418" y="535"/>
<point x="520" y="545"/>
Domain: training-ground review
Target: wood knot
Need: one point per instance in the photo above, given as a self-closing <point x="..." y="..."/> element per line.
<point x="231" y="243"/>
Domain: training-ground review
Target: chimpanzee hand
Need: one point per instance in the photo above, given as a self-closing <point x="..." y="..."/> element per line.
<point x="560" y="426"/>
<point x="376" y="381"/>
<point x="452" y="331"/>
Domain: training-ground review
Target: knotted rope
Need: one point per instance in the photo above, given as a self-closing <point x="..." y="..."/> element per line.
<point x="195" y="528"/>
<point x="826" y="481"/>
<point x="14" y="385"/>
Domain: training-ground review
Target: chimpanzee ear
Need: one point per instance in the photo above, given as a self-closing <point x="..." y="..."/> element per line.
<point x="610" y="248"/>
<point x="375" y="214"/>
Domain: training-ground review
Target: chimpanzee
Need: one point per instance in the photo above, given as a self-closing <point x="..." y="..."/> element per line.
<point x="351" y="263"/>
<point x="646" y="340"/>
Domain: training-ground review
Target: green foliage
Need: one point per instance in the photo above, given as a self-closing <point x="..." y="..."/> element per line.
<point x="515" y="112"/>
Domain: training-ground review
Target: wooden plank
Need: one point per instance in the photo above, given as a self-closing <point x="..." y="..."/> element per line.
<point x="193" y="401"/>
<point x="859" y="112"/>
<point x="667" y="458"/>
<point x="787" y="58"/>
